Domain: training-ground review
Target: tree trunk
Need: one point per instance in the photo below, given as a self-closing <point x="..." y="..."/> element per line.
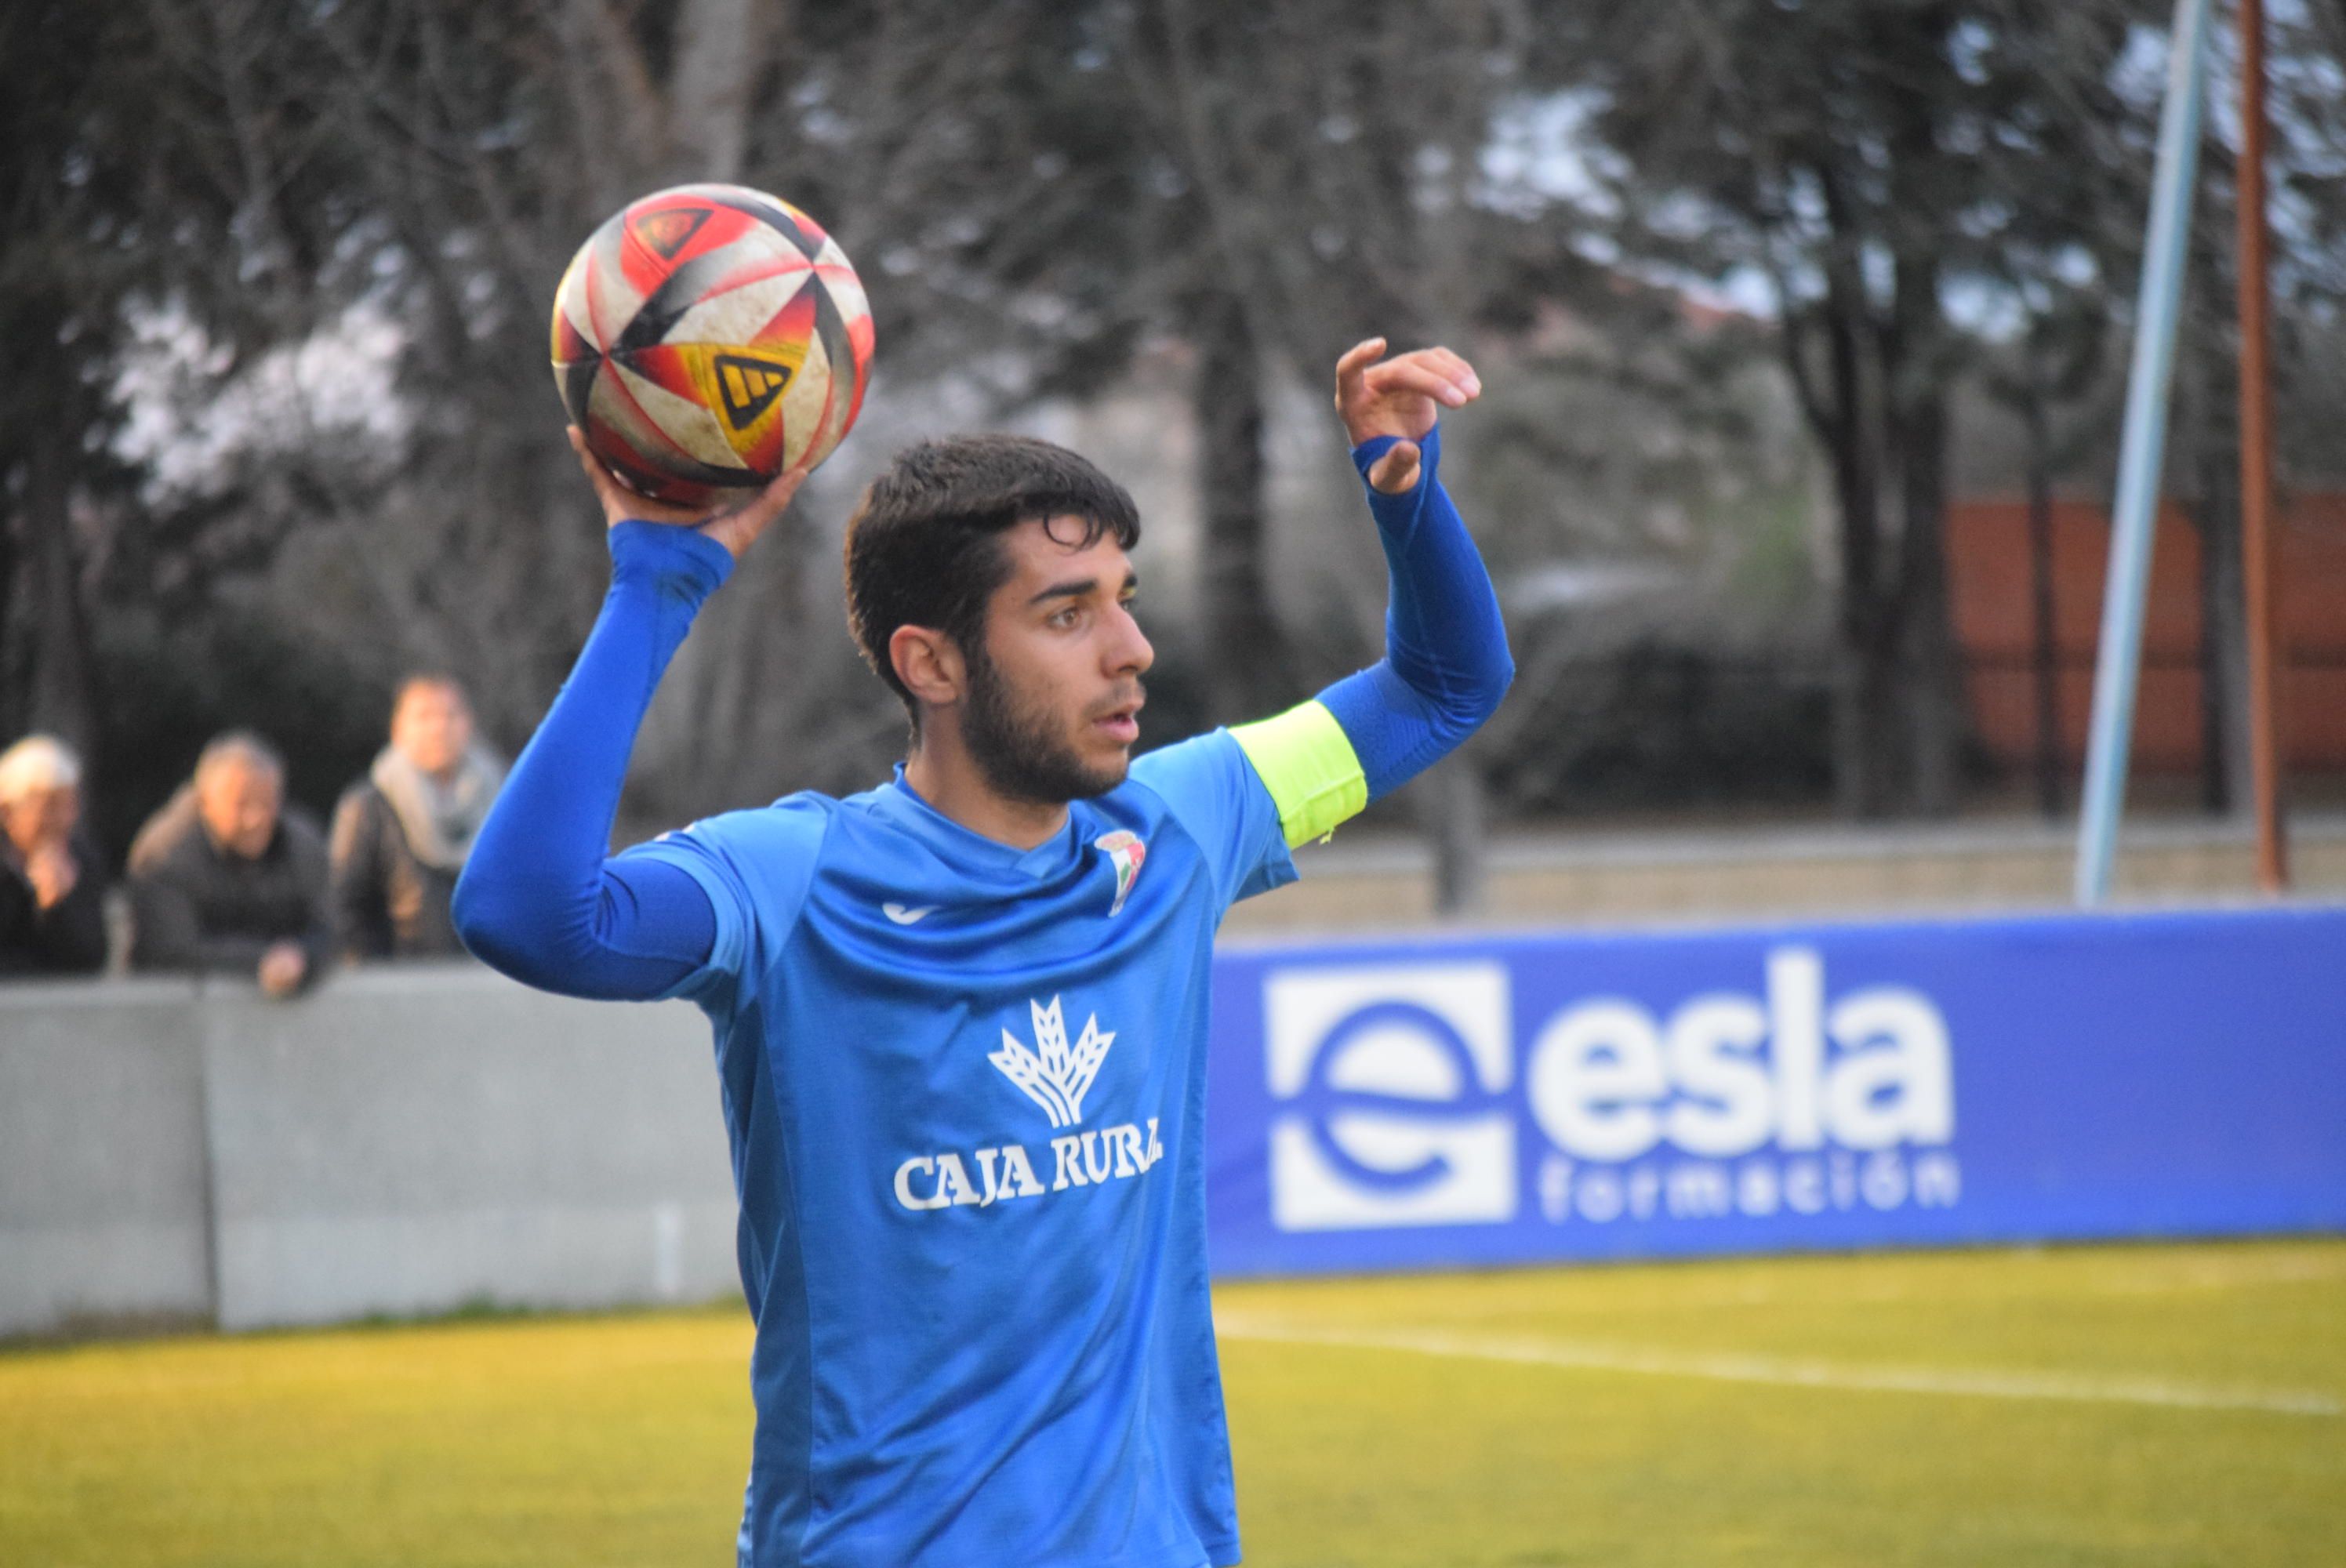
<point x="1934" y="679"/>
<point x="1850" y="426"/>
<point x="1867" y="731"/>
<point x="12" y="688"/>
<point x="1863" y="713"/>
<point x="2227" y="784"/>
<point x="720" y="50"/>
<point x="1450" y="806"/>
<point x="61" y="701"/>
<point x="1248" y="668"/>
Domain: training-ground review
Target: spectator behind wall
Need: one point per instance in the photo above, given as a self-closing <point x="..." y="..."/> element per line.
<point x="52" y="886"/>
<point x="401" y="833"/>
<point x="226" y="878"/>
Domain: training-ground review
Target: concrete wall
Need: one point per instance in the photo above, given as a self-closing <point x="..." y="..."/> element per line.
<point x="102" y="1183"/>
<point x="1609" y="877"/>
<point x="404" y="1141"/>
<point x="413" y="1140"/>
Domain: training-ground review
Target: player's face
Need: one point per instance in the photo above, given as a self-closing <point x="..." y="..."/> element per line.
<point x="1055" y="688"/>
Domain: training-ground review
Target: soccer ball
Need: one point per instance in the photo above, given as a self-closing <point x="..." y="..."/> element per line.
<point x="708" y="336"/>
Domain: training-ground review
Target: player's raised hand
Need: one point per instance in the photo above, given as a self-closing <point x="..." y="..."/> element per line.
<point x="1401" y="396"/>
<point x="735" y="524"/>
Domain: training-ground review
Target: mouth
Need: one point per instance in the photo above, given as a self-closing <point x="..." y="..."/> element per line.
<point x="1121" y="723"/>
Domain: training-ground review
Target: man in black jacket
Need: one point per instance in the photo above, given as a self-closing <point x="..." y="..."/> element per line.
<point x="51" y="891"/>
<point x="227" y="878"/>
<point x="401" y="834"/>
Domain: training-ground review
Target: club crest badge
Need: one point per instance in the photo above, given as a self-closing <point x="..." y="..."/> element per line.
<point x="1124" y="851"/>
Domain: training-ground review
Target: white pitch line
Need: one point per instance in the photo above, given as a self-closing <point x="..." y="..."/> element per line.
<point x="1989" y="1383"/>
<point x="2168" y="1278"/>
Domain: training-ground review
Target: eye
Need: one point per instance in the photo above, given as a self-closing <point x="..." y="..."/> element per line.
<point x="1065" y="618"/>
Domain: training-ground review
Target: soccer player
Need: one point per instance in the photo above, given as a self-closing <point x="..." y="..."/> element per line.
<point x="960" y="1018"/>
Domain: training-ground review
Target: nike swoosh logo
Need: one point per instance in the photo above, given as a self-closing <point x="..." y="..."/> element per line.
<point x="903" y="916"/>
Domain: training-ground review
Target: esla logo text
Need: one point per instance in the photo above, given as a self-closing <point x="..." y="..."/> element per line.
<point x="1401" y="1104"/>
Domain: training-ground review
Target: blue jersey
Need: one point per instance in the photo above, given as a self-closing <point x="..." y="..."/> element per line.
<point x="965" y="1084"/>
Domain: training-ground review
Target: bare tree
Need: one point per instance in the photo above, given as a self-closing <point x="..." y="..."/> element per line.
<point x="1865" y="161"/>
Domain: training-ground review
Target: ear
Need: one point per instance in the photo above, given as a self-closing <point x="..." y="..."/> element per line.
<point x="930" y="666"/>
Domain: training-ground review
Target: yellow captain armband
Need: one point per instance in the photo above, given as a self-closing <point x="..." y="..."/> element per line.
<point x="1307" y="762"/>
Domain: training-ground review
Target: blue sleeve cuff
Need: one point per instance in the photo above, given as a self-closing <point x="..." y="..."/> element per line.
<point x="1397" y="514"/>
<point x="669" y="556"/>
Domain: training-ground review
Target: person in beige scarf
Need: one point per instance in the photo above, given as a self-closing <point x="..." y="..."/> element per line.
<point x="401" y="833"/>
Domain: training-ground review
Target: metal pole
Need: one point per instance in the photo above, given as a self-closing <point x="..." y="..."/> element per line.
<point x="2256" y="456"/>
<point x="2140" y="454"/>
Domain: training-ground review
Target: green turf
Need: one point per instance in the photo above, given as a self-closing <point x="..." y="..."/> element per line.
<point x="2159" y="1405"/>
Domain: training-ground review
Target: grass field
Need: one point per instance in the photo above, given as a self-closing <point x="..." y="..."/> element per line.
<point x="2141" y="1406"/>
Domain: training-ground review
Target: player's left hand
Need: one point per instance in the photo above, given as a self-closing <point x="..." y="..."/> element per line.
<point x="1401" y="396"/>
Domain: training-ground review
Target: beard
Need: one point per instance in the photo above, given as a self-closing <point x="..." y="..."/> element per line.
<point x="1018" y="746"/>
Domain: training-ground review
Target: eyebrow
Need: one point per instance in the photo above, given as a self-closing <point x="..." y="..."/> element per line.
<point x="1081" y="587"/>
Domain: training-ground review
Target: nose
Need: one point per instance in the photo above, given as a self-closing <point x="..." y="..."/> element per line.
<point x="1129" y="651"/>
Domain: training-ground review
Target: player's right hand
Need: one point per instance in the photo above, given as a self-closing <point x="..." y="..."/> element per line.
<point x="733" y="524"/>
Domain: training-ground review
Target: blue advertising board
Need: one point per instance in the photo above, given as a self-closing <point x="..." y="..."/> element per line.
<point x="1517" y="1098"/>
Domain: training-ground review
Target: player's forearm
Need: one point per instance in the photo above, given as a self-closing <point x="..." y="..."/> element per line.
<point x="1446" y="664"/>
<point x="537" y="899"/>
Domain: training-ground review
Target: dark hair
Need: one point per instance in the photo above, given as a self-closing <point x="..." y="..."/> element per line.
<point x="921" y="547"/>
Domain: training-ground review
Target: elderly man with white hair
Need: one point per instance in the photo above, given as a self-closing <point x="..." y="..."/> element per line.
<point x="227" y="878"/>
<point x="52" y="888"/>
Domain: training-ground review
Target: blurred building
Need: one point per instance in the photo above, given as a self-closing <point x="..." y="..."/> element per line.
<point x="2013" y="662"/>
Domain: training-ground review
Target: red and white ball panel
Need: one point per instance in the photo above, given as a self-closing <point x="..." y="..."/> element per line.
<point x="707" y="338"/>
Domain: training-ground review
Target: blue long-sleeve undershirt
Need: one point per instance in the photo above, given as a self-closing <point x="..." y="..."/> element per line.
<point x="1446" y="664"/>
<point x="541" y="900"/>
